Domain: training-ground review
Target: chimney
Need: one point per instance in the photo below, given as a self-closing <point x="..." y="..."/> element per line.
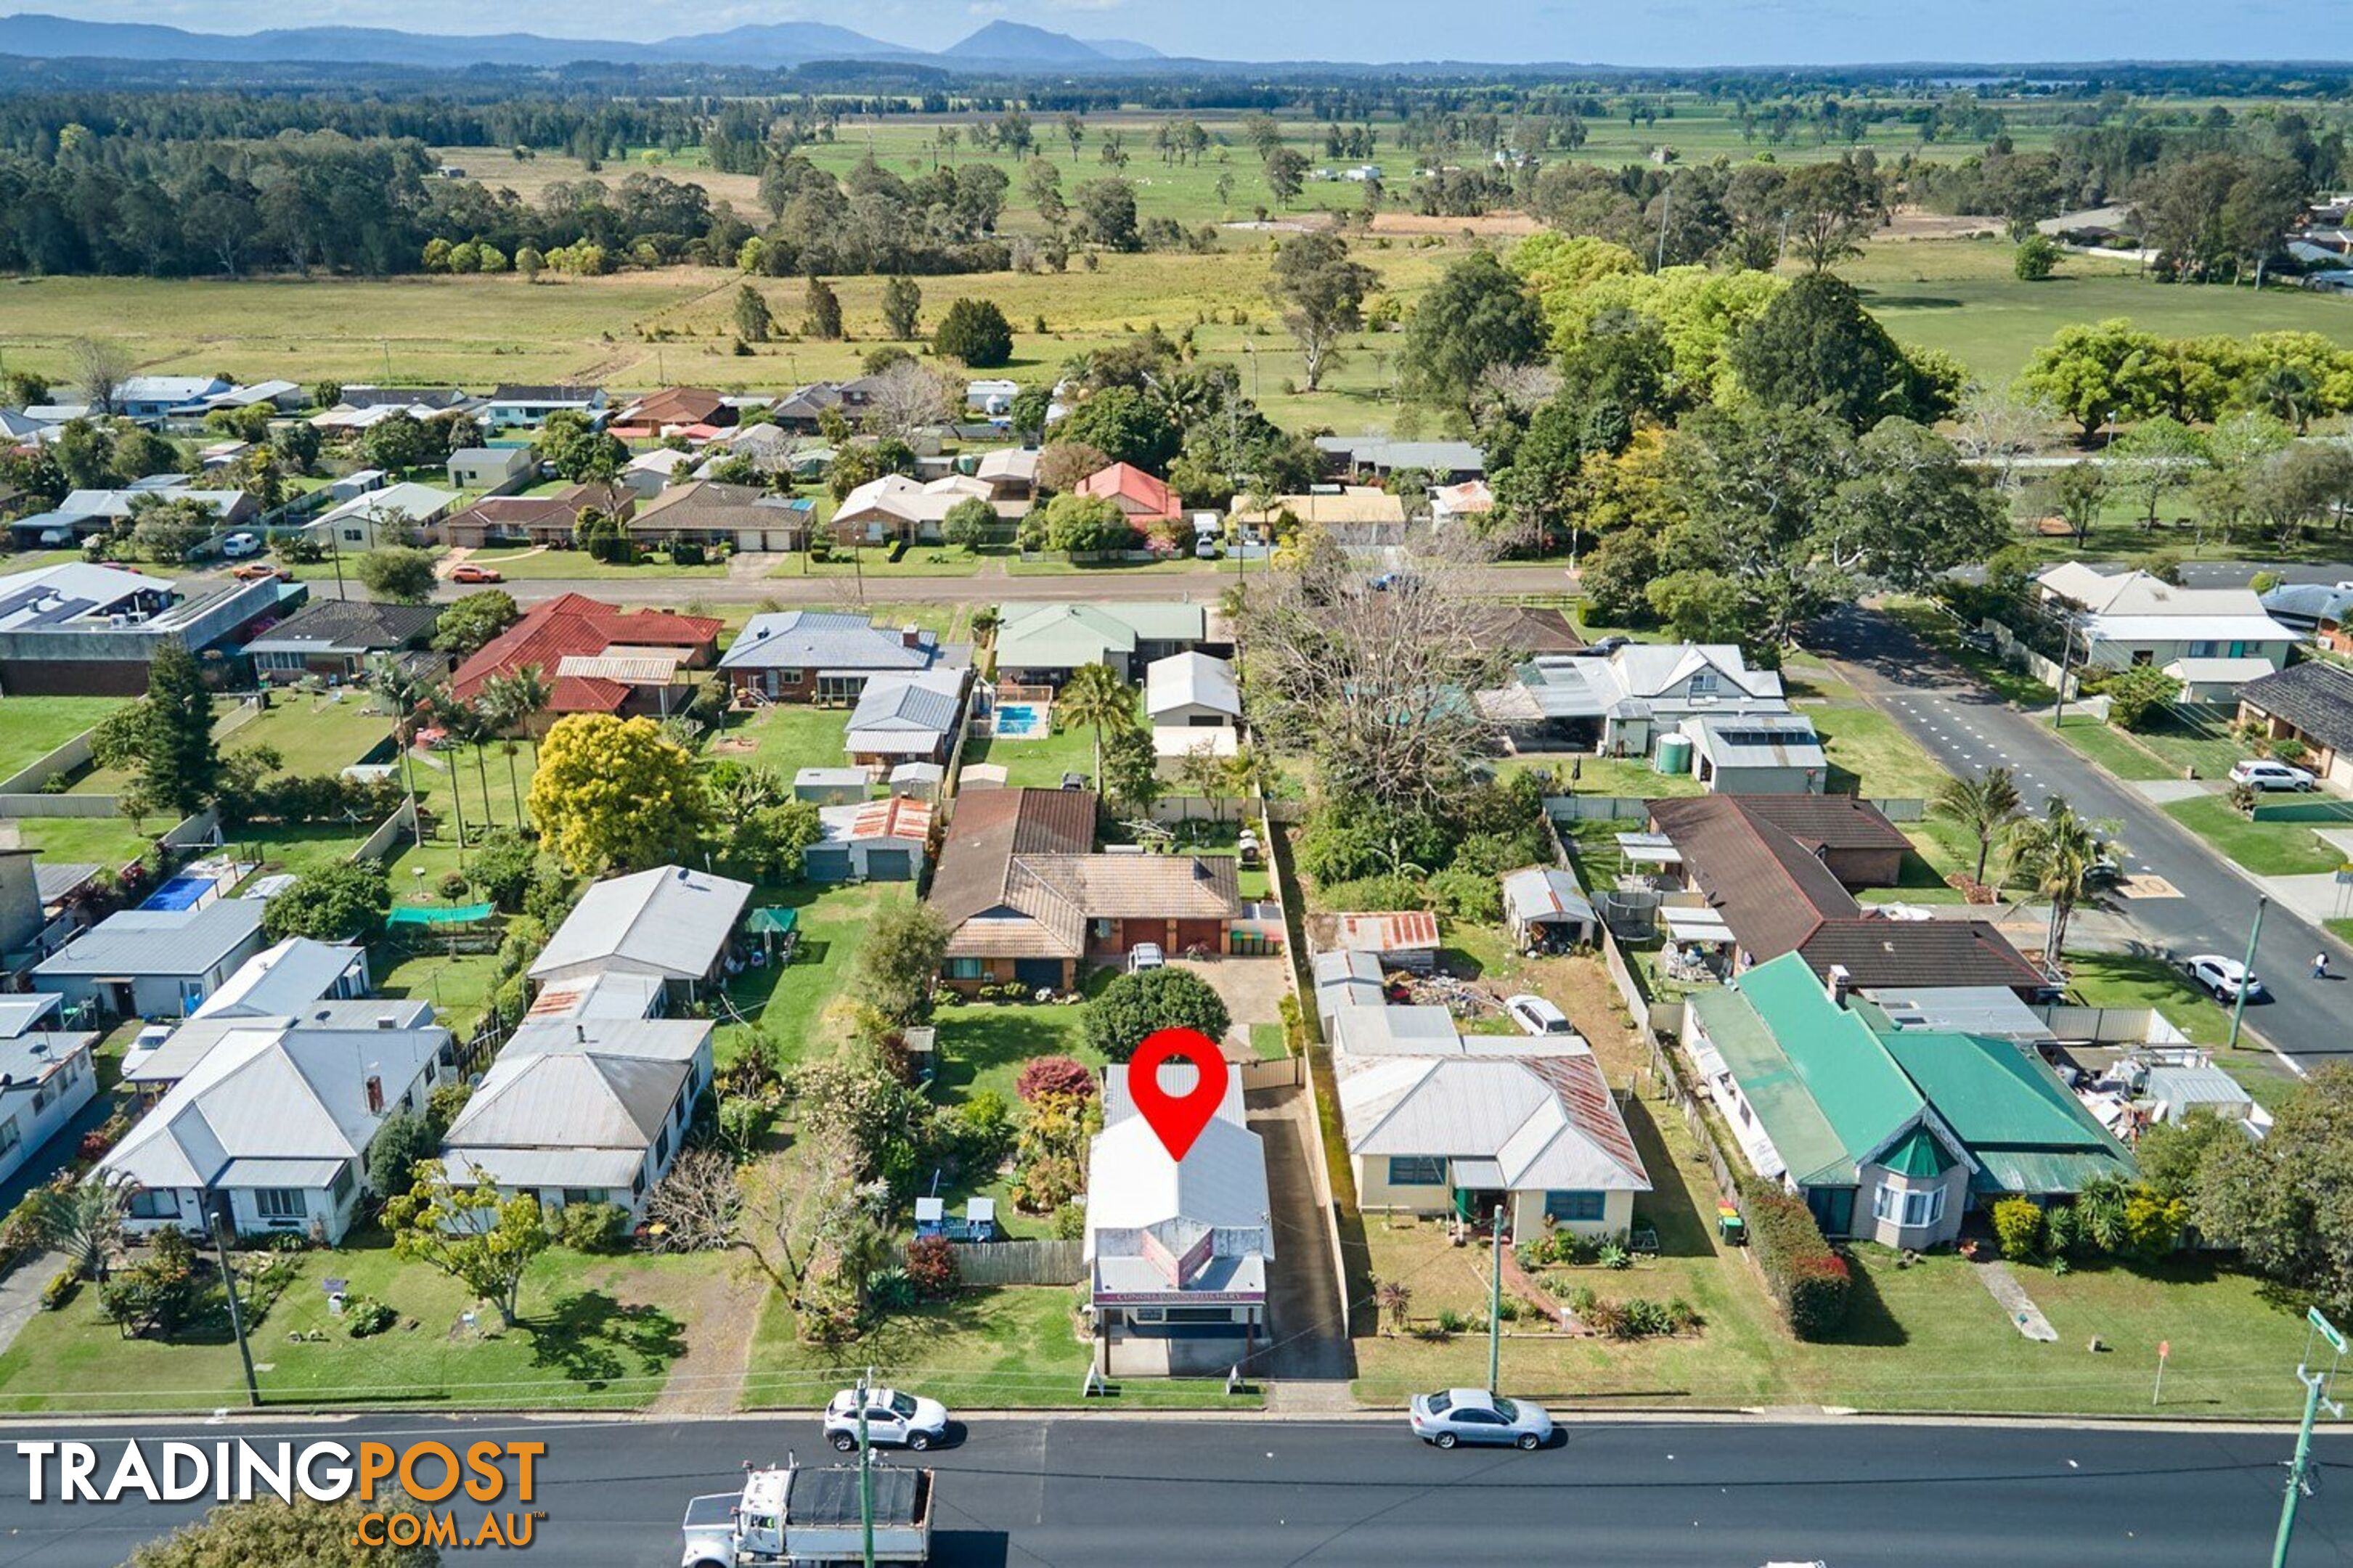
<point x="1836" y="982"/>
<point x="374" y="1095"/>
<point x="910" y="637"/>
<point x="384" y="1020"/>
<point x="580" y="1033"/>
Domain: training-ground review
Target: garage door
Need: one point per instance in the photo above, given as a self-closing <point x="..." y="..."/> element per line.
<point x="1198" y="933"/>
<point x="891" y="865"/>
<point x="826" y="865"/>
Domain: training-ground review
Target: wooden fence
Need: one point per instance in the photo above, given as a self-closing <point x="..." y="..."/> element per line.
<point x="1287" y="1072"/>
<point x="1018" y="1262"/>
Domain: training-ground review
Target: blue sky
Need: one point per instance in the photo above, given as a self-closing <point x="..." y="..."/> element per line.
<point x="1625" y="32"/>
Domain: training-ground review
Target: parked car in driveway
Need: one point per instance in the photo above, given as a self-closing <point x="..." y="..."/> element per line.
<point x="1536" y="1015"/>
<point x="2268" y="775"/>
<point x="1453" y="1415"/>
<point x="2223" y="977"/>
<point x="1145" y="956"/>
<point x="467" y="571"/>
<point x="900" y="1420"/>
<point x="237" y="546"/>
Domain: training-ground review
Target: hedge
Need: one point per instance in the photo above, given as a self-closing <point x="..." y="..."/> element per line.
<point x="1810" y="1282"/>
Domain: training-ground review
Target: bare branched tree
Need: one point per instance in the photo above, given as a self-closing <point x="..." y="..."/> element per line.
<point x="1515" y="388"/>
<point x="100" y="368"/>
<point x="908" y="397"/>
<point x="696" y="1207"/>
<point x="1997" y="425"/>
<point x="1374" y="670"/>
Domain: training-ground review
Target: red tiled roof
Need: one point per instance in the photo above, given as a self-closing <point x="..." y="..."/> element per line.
<point x="571" y="624"/>
<point x="1128" y="482"/>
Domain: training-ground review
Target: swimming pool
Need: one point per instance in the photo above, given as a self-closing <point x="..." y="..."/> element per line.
<point x="1022" y="720"/>
<point x="181" y="893"/>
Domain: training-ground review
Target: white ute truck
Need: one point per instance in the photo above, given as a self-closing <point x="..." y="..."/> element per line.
<point x="789" y="1516"/>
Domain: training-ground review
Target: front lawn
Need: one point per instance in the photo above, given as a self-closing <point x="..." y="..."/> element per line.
<point x="33" y="727"/>
<point x="2103" y="744"/>
<point x="1009" y="1348"/>
<point x="525" y="564"/>
<point x="1870" y="754"/>
<point x="598" y="1334"/>
<point x="2266" y="849"/>
<point x="2131" y="980"/>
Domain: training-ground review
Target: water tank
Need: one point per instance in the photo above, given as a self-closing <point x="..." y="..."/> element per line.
<point x="1673" y="755"/>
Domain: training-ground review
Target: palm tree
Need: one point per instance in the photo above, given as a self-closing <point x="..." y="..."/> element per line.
<point x="2057" y="853"/>
<point x="1096" y="695"/>
<point x="2288" y="391"/>
<point x="83" y="1221"/>
<point x="494" y="710"/>
<point x="1985" y="805"/>
<point x="739" y="791"/>
<point x="528" y="690"/>
<point x="406" y="694"/>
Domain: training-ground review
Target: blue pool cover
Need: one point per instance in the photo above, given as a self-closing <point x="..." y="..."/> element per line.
<point x="179" y="893"/>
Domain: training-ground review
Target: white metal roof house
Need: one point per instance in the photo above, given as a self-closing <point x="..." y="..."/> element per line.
<point x="584" y="1110"/>
<point x="45" y="1077"/>
<point x="1177" y="1250"/>
<point x="283" y="979"/>
<point x="1191" y="688"/>
<point x="487" y="467"/>
<point x="154" y="964"/>
<point x="1568" y="702"/>
<point x="670" y="921"/>
<point x="1345" y="978"/>
<point x="275" y="1123"/>
<point x="155" y="1069"/>
<point x="1540" y="1136"/>
<point x="2128" y="618"/>
<point x="400" y="514"/>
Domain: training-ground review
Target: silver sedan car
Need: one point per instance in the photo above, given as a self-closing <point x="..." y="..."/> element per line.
<point x="1454" y="1415"/>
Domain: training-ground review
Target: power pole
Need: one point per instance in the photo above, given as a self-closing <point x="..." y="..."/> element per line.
<point x="2247" y="971"/>
<point x="865" y="1473"/>
<point x="1495" y="1306"/>
<point x="2315" y="1394"/>
<point x="236" y="1313"/>
<point x="2066" y="651"/>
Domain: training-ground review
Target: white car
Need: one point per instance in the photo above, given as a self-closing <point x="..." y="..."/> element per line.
<point x="2224" y="978"/>
<point x="2271" y="775"/>
<point x="1536" y="1015"/>
<point x="902" y="1420"/>
<point x="237" y="546"/>
<point x="1453" y="1415"/>
<point x="1145" y="956"/>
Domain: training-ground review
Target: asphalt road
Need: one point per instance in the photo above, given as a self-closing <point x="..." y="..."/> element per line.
<point x="1968" y="728"/>
<point x="1082" y="1491"/>
<point x="837" y="590"/>
<point x="2234" y="574"/>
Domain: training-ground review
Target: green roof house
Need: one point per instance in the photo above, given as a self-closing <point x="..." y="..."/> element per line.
<point x="1041" y="644"/>
<point x="1890" y="1134"/>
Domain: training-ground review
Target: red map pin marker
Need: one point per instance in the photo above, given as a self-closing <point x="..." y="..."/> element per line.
<point x="1177" y="1119"/>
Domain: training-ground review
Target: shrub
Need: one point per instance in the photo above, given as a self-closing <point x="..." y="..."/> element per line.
<point x="1641" y="1319"/>
<point x="364" y="1316"/>
<point x="592" y="1227"/>
<point x="63" y="1286"/>
<point x="1809" y="1281"/>
<point x="1468" y="895"/>
<point x="891" y="1290"/>
<point x="983" y="1129"/>
<point x="931" y="1266"/>
<point x="1582" y="1300"/>
<point x="1450" y="1321"/>
<point x="2018" y="1224"/>
<point x="743" y="1123"/>
<point x="1135" y="1006"/>
<point x="2060" y="1232"/>
<point x="1042" y="1075"/>
<point x="1607" y="1319"/>
<point x="1071" y="1222"/>
<point x="2153" y="1224"/>
<point x="1613" y="1256"/>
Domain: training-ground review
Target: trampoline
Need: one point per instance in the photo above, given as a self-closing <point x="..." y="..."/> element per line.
<point x="461" y="914"/>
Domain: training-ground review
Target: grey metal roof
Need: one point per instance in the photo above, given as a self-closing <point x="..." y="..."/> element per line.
<point x="1383" y="1031"/>
<point x="158" y="941"/>
<point x="926" y="702"/>
<point x="671" y="921"/>
<point x="573" y="1084"/>
<point x="1536" y="894"/>
<point x="1759" y="740"/>
<point x="351" y="626"/>
<point x="279" y="981"/>
<point x="827" y="639"/>
<point x="20" y="1015"/>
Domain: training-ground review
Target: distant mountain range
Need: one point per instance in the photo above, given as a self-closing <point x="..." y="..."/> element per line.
<point x="777" y="44"/>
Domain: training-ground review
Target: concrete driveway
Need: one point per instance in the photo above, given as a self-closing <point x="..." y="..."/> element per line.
<point x="1252" y="990"/>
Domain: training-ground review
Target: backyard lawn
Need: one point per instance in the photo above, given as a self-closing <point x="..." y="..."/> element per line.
<point x="2266" y="849"/>
<point x="786" y="737"/>
<point x="1013" y="1347"/>
<point x="33" y="727"/>
<point x="597" y="1333"/>
<point x="109" y="841"/>
<point x="786" y="1002"/>
<point x="1040" y="764"/>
